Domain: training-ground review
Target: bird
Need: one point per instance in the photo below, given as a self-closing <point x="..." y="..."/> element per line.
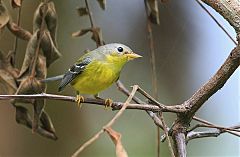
<point x="96" y="70"/>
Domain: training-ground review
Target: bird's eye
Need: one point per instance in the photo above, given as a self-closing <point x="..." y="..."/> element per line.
<point x="120" y="49"/>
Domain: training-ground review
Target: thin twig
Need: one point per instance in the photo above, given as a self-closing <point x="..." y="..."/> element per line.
<point x="165" y="128"/>
<point x="109" y="124"/>
<point x="216" y="21"/>
<point x="115" y="105"/>
<point x="153" y="69"/>
<point x="89" y="14"/>
<point x="16" y="37"/>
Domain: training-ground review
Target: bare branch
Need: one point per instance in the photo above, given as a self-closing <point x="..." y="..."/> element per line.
<point x="179" y="143"/>
<point x="109" y="124"/>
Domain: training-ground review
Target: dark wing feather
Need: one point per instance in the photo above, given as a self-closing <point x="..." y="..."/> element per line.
<point x="73" y="72"/>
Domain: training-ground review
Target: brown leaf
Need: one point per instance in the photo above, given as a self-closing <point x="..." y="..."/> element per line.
<point x="153" y="11"/>
<point x="37" y="18"/>
<point x="29" y="55"/>
<point x="38" y="107"/>
<point x="47" y="122"/>
<point x="81" y="32"/>
<point x="49" y="50"/>
<point x="8" y="75"/>
<point x="82" y="11"/>
<point x="102" y="4"/>
<point x="18" y="31"/>
<point x="97" y="36"/>
<point x="23" y="117"/>
<point x="51" y="21"/>
<point x="16" y="3"/>
<point x="4" y="15"/>
<point x="116" y="138"/>
<point x="41" y="68"/>
<point x="7" y="83"/>
<point x="29" y="85"/>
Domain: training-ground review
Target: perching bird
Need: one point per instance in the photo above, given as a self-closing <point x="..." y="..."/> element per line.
<point x="97" y="69"/>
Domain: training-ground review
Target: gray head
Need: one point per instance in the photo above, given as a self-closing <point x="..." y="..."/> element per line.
<point x="117" y="50"/>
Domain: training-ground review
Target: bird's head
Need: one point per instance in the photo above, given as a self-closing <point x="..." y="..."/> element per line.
<point x="120" y="52"/>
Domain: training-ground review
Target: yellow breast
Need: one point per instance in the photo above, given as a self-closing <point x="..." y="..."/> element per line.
<point x="96" y="77"/>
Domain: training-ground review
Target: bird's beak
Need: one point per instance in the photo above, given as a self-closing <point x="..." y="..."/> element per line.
<point x="132" y="56"/>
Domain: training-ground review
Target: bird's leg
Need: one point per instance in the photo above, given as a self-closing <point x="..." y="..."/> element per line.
<point x="108" y="102"/>
<point x="79" y="99"/>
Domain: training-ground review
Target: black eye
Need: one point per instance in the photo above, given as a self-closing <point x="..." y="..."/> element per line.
<point x="120" y="49"/>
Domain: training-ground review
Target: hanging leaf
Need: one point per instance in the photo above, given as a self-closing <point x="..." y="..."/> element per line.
<point x="49" y="50"/>
<point x="38" y="107"/>
<point x="153" y="11"/>
<point x="37" y="18"/>
<point x="4" y="15"/>
<point x="116" y="138"/>
<point x="97" y="36"/>
<point x="102" y="4"/>
<point x="29" y="55"/>
<point x="23" y="117"/>
<point x="81" y="32"/>
<point x="41" y="68"/>
<point x="7" y="83"/>
<point x="51" y="21"/>
<point x="16" y="3"/>
<point x="8" y="75"/>
<point x="18" y="31"/>
<point x="47" y="122"/>
<point x="82" y="11"/>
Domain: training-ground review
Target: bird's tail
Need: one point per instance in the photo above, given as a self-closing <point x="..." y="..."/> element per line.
<point x="50" y="79"/>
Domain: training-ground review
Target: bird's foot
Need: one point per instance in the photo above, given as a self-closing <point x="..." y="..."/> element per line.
<point x="108" y="103"/>
<point x="79" y="99"/>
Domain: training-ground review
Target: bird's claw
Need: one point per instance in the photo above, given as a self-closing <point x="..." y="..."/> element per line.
<point x="108" y="103"/>
<point x="79" y="99"/>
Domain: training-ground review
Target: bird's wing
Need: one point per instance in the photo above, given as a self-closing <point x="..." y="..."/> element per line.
<point x="74" y="71"/>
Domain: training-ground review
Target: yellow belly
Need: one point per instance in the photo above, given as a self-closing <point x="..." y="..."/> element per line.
<point x="95" y="78"/>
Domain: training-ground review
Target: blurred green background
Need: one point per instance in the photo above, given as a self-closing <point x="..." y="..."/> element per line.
<point x="190" y="48"/>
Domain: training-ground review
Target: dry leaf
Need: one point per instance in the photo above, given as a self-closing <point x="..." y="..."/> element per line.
<point x="102" y="4"/>
<point x="16" y="3"/>
<point x="49" y="50"/>
<point x="29" y="55"/>
<point x="41" y="68"/>
<point x="97" y="36"/>
<point x="7" y="83"/>
<point x="47" y="122"/>
<point x="8" y="75"/>
<point x="18" y="31"/>
<point x="37" y="18"/>
<point x="51" y="21"/>
<point x="4" y="15"/>
<point x="38" y="107"/>
<point x="116" y="138"/>
<point x="23" y="117"/>
<point x="81" y="32"/>
<point x="153" y="9"/>
<point x="82" y="11"/>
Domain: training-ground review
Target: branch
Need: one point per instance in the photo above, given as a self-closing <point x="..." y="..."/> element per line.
<point x="214" y="84"/>
<point x="228" y="9"/>
<point x="109" y="124"/>
<point x="213" y="133"/>
<point x="115" y="105"/>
